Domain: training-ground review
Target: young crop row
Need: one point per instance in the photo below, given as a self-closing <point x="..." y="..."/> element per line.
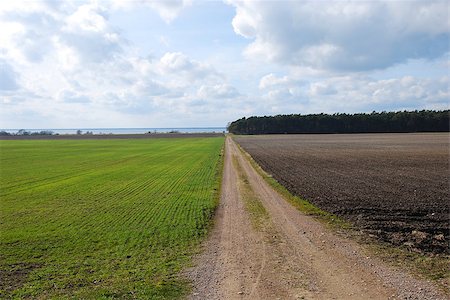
<point x="104" y="218"/>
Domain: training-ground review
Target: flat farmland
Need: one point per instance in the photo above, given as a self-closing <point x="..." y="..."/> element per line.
<point x="395" y="186"/>
<point x="104" y="218"/>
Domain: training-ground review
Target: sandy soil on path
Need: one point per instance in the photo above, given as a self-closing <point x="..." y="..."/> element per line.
<point x="293" y="257"/>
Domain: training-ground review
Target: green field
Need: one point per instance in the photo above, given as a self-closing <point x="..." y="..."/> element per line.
<point x="104" y="218"/>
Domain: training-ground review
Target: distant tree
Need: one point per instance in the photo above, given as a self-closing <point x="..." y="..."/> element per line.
<point x="79" y="132"/>
<point x="42" y="132"/>
<point x="22" y="132"/>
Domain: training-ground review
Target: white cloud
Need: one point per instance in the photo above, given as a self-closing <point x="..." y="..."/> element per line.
<point x="352" y="93"/>
<point x="178" y="64"/>
<point x="8" y="77"/>
<point x="168" y="10"/>
<point x="25" y="35"/>
<point x="87" y="31"/>
<point x="343" y="35"/>
<point x="70" y="61"/>
<point x="322" y="88"/>
<point x="87" y="17"/>
<point x="218" y="91"/>
<point x="63" y="62"/>
<point x="271" y="80"/>
<point x="72" y="97"/>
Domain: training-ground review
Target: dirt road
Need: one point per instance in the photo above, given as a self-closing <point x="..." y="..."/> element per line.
<point x="290" y="256"/>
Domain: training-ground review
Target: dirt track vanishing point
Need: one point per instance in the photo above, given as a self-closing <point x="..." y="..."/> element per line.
<point x="288" y="255"/>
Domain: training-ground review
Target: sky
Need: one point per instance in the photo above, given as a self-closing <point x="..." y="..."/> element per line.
<point x="180" y="63"/>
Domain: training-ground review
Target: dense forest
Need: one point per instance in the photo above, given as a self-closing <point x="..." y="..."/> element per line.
<point x="402" y="121"/>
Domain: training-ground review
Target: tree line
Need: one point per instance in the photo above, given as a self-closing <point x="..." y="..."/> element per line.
<point x="26" y="132"/>
<point x="401" y="121"/>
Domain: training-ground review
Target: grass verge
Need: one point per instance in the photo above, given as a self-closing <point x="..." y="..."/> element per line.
<point x="258" y="214"/>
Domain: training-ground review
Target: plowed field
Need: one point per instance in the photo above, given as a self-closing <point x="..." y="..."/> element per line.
<point x="395" y="186"/>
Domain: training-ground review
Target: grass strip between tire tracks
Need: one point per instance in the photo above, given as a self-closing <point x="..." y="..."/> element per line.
<point x="258" y="214"/>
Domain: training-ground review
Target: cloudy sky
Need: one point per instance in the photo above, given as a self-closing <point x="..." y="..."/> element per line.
<point x="178" y="63"/>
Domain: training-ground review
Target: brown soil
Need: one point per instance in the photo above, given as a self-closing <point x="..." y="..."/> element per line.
<point x="395" y="186"/>
<point x="292" y="257"/>
<point x="15" y="276"/>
